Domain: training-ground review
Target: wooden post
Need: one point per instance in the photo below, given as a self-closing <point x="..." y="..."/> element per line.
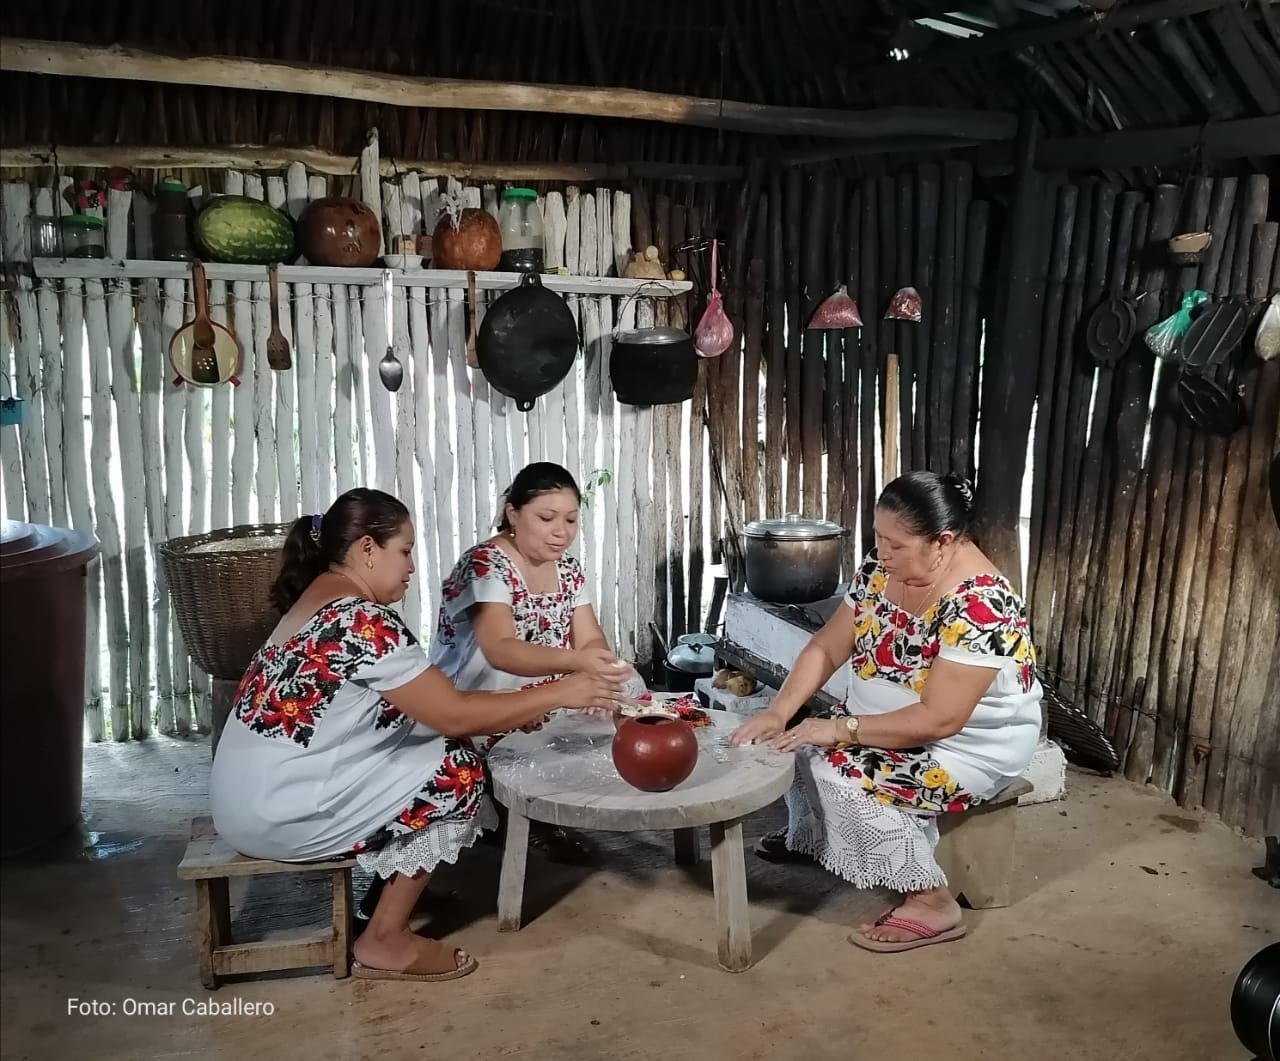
<point x="1008" y="390"/>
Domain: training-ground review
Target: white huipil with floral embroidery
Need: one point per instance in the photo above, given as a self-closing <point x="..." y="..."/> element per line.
<point x="314" y="762"/>
<point x="981" y="623"/>
<point x="486" y="573"/>
<point x="870" y="816"/>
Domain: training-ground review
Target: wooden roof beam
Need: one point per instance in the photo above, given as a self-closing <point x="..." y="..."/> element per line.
<point x="63" y="59"/>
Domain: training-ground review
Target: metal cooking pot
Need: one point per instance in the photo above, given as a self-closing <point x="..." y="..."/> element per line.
<point x="693" y="656"/>
<point x="527" y="342"/>
<point x="653" y="366"/>
<point x="793" y="560"/>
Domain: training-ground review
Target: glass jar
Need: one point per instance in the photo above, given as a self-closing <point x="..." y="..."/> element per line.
<point x="46" y="237"/>
<point x="83" y="236"/>
<point x="520" y="221"/>
<point x="171" y="222"/>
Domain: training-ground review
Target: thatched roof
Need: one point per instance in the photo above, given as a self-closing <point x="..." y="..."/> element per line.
<point x="1130" y="66"/>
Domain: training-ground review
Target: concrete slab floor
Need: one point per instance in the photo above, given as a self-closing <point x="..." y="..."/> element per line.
<point x="1133" y="920"/>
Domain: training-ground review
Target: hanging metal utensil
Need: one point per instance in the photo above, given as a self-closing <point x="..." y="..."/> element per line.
<point x="390" y="370"/>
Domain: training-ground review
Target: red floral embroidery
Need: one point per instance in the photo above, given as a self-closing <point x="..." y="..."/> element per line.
<point x="983" y="614"/>
<point x="457" y="777"/>
<point x="287" y="688"/>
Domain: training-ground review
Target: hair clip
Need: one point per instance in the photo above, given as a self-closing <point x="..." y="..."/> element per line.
<point x="315" y="527"/>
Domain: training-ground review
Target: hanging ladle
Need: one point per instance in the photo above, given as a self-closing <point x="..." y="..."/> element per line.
<point x="389" y="368"/>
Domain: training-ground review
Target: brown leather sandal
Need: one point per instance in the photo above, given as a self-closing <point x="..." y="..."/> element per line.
<point x="442" y="963"/>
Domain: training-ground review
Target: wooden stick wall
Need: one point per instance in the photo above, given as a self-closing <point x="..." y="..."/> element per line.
<point x="151" y="461"/>
<point x="1154" y="579"/>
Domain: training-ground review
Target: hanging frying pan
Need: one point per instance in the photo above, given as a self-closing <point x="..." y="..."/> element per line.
<point x="201" y="352"/>
<point x="1214" y="335"/>
<point x="527" y="342"/>
<point x="1111" y="326"/>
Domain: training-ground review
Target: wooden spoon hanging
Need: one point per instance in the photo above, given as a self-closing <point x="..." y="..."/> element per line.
<point x="277" y="345"/>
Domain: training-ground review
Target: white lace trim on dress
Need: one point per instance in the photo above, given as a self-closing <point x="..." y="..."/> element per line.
<point x="425" y="849"/>
<point x="856" y="837"/>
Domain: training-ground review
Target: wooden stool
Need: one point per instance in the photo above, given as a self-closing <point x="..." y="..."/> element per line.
<point x="976" y="849"/>
<point x="211" y="863"/>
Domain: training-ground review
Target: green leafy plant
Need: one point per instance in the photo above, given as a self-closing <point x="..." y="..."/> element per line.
<point x="601" y="477"/>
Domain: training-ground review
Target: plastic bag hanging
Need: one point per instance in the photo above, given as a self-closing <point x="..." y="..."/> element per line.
<point x="1163" y="337"/>
<point x="836" y="312"/>
<point x="1266" y="342"/>
<point x="904" y="306"/>
<point x="714" y="334"/>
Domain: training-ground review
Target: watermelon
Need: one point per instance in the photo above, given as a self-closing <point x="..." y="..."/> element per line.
<point x="244" y="231"/>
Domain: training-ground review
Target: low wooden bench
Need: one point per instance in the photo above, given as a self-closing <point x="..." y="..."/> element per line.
<point x="976" y="849"/>
<point x="210" y="863"/>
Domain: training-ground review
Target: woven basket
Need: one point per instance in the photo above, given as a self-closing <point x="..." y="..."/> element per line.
<point x="219" y="584"/>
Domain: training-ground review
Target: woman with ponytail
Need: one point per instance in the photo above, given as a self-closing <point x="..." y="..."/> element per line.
<point x="343" y="737"/>
<point x="943" y="711"/>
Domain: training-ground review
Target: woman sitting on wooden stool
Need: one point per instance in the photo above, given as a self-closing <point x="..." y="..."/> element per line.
<point x="344" y="738"/>
<point x="943" y="711"/>
<point x="517" y="613"/>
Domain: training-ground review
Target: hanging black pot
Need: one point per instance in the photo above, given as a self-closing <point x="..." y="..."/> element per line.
<point x="653" y="366"/>
<point x="527" y="342"/>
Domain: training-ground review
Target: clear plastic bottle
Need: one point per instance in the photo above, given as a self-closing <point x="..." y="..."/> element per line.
<point x="521" y="223"/>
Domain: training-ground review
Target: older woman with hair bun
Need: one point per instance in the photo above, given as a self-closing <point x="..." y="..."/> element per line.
<point x="344" y="738"/>
<point x="943" y="711"/>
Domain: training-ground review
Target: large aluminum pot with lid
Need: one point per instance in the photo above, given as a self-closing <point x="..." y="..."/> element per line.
<point x="793" y="560"/>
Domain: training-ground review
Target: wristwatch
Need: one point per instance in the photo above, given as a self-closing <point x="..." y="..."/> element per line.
<point x="851" y="724"/>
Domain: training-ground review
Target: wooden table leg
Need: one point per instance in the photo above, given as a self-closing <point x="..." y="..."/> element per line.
<point x="686" y="843"/>
<point x="515" y="852"/>
<point x="729" y="880"/>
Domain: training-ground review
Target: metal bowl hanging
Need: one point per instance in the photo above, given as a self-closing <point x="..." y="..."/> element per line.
<point x="527" y="342"/>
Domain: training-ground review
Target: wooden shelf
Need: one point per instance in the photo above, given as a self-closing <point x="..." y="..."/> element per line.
<point x="99" y="269"/>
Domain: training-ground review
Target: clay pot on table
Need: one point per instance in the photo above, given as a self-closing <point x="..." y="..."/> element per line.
<point x="654" y="753"/>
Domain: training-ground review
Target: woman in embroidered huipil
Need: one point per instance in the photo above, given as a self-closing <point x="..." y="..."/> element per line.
<point x="943" y="710"/>
<point x="344" y="738"/>
<point x="517" y="612"/>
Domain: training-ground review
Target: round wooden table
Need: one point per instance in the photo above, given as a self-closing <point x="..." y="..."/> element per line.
<point x="564" y="774"/>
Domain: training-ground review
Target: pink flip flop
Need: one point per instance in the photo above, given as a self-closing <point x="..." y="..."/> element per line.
<point x="925" y="936"/>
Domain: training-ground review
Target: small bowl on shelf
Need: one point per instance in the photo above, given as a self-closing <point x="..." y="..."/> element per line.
<point x="408" y="262"/>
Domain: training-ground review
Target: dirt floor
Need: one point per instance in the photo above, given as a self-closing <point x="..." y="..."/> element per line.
<point x="1133" y="920"/>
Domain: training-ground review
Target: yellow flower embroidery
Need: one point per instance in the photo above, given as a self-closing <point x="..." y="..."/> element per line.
<point x="929" y="616"/>
<point x="863" y="623"/>
<point x="917" y="683"/>
<point x="867" y="783"/>
<point x="935" y="777"/>
<point x="884" y="798"/>
<point x="951" y="633"/>
<point x="868" y="669"/>
<point x="876" y="584"/>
